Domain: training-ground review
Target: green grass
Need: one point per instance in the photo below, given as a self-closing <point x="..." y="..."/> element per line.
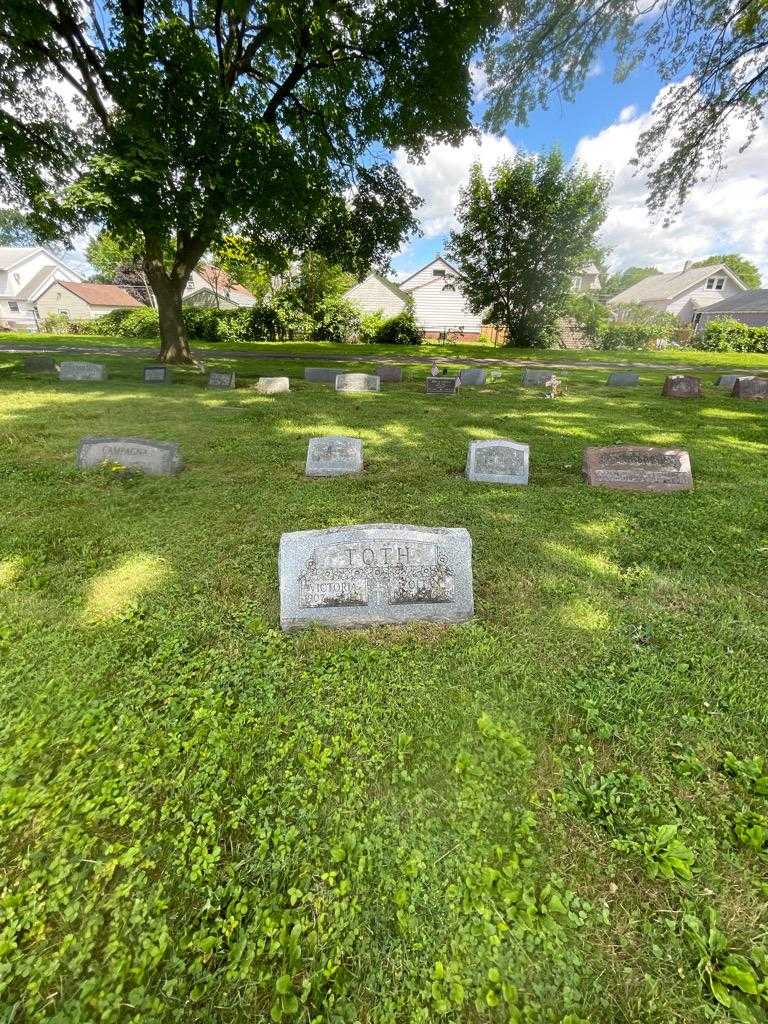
<point x="529" y="817"/>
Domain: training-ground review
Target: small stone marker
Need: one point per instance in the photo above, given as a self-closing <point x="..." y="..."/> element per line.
<point x="157" y="375"/>
<point x="728" y="380"/>
<point x="272" y="385"/>
<point x="474" y="378"/>
<point x="157" y="458"/>
<point x="623" y="379"/>
<point x="73" y="370"/>
<point x="220" y="380"/>
<point x="389" y="374"/>
<point x="334" y="455"/>
<point x="320" y="374"/>
<point x="357" y="382"/>
<point x="35" y="363"/>
<point x="442" y="385"/>
<point x="751" y="387"/>
<point x="373" y="574"/>
<point x="678" y="385"/>
<point x="497" y="462"/>
<point x="535" y="378"/>
<point x="636" y="467"/>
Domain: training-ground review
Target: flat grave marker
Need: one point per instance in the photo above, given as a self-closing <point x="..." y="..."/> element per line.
<point x="375" y="574"/>
<point x="334" y="455"/>
<point x="389" y="374"/>
<point x="637" y="467"/>
<point x="34" y="364"/>
<point x="157" y="375"/>
<point x="221" y="380"/>
<point x="679" y="385"/>
<point x="273" y="385"/>
<point x="498" y="461"/>
<point x="357" y="382"/>
<point x="72" y="369"/>
<point x="442" y="385"/>
<point x="320" y="374"/>
<point x="727" y="381"/>
<point x="472" y="377"/>
<point x="156" y="458"/>
<point x="623" y="379"/>
<point x="751" y="387"/>
<point x="536" y="378"/>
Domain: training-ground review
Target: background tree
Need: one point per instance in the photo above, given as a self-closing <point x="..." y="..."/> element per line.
<point x="239" y="258"/>
<point x="198" y="116"/>
<point x="549" y="48"/>
<point x="625" y="279"/>
<point x="118" y="261"/>
<point x="743" y="268"/>
<point x="524" y="231"/>
<point x="16" y="229"/>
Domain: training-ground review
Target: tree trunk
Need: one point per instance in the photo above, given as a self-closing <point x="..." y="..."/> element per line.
<point x="168" y="291"/>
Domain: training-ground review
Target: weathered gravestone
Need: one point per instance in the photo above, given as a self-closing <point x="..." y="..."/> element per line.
<point x="389" y="374"/>
<point x="73" y="370"/>
<point x="379" y="573"/>
<point x="728" y="380"/>
<point x="678" y="385"/>
<point x="272" y="385"/>
<point x="357" y="382"/>
<point x="497" y="462"/>
<point x="623" y="379"/>
<point x="472" y="377"/>
<point x="442" y="385"/>
<point x="751" y="387"/>
<point x="334" y="456"/>
<point x="221" y="381"/>
<point x="157" y="458"/>
<point x="535" y="378"/>
<point x="34" y="363"/>
<point x="636" y="467"/>
<point x="157" y="375"/>
<point x="320" y="374"/>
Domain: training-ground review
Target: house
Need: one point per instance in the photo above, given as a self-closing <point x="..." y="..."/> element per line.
<point x="25" y="274"/>
<point x="587" y="280"/>
<point x="83" y="300"/>
<point x="435" y="290"/>
<point x="750" y="307"/>
<point x="209" y="286"/>
<point x="683" y="293"/>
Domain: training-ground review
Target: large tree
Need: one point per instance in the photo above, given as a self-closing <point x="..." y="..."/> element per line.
<point x="196" y="116"/>
<point x="524" y="232"/>
<point x="713" y="55"/>
<point x="16" y="229"/>
<point x="744" y="269"/>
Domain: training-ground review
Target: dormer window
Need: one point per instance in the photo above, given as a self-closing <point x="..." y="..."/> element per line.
<point x="438" y="273"/>
<point x="715" y="284"/>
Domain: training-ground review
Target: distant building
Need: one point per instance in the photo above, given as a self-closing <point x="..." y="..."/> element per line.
<point x="587" y="280"/>
<point x="83" y="300"/>
<point x="26" y="273"/>
<point x="750" y="307"/>
<point x="209" y="286"/>
<point x="683" y="293"/>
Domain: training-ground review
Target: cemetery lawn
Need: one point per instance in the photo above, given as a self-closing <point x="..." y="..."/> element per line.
<point x="555" y="813"/>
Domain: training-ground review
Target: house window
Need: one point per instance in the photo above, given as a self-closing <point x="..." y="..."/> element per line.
<point x="14" y="307"/>
<point x="63" y="312"/>
<point x="715" y="283"/>
<point x="696" y="320"/>
<point x="449" y="287"/>
<point x="438" y="273"/>
<point x="719" y="284"/>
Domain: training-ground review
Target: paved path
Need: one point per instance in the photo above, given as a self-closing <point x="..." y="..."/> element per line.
<point x="311" y="358"/>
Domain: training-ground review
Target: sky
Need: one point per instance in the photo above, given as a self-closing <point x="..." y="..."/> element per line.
<point x="599" y="130"/>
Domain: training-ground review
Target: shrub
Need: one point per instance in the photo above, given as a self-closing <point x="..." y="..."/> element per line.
<point x="140" y="323"/>
<point x="202" y="322"/>
<point x="588" y="313"/>
<point x="732" y="336"/>
<point x="371" y="324"/>
<point x="109" y="323"/>
<point x="56" y="323"/>
<point x="615" y="334"/>
<point x="400" y="330"/>
<point x="338" y="319"/>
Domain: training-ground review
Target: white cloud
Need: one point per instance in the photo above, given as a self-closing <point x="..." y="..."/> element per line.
<point x="727" y="213"/>
<point x="445" y="172"/>
<point x="596" y="69"/>
<point x="479" y="81"/>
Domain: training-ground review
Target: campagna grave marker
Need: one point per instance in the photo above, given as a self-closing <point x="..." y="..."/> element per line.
<point x="751" y="387"/>
<point x="157" y="458"/>
<point x="39" y="363"/>
<point x="379" y="573"/>
<point x="497" y="462"/>
<point x="335" y="455"/>
<point x="442" y="386"/>
<point x="635" y="467"/>
<point x="623" y="379"/>
<point x="535" y="378"/>
<point x="357" y="382"/>
<point x="472" y="377"/>
<point x="728" y="380"/>
<point x="222" y="381"/>
<point x="678" y="385"/>
<point x="74" y="370"/>
<point x="157" y="375"/>
<point x="273" y="385"/>
<point x="389" y="374"/>
<point x="320" y="374"/>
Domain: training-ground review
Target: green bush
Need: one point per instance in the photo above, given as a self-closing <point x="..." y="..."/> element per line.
<point x="588" y="313"/>
<point x="338" y="319"/>
<point x="370" y="325"/>
<point x="140" y="323"/>
<point x="617" y="334"/>
<point x="732" y="336"/>
<point x="202" y="322"/>
<point x="56" y="323"/>
<point x="109" y="323"/>
<point x="402" y="329"/>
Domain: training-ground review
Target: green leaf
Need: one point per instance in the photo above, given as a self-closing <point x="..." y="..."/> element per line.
<point x="740" y="978"/>
<point x="284" y="984"/>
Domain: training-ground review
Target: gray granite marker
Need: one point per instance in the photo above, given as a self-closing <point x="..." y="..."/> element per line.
<point x="535" y="378"/>
<point x="35" y="363"/>
<point x="272" y="385"/>
<point x="335" y="455"/>
<point x="751" y="387"/>
<point x="728" y="380"/>
<point x="74" y="370"/>
<point x="375" y="574"/>
<point x="442" y="385"/>
<point x="221" y="380"/>
<point x="157" y="375"/>
<point x="637" y="467"/>
<point x="357" y="382"/>
<point x="678" y="385"/>
<point x="320" y="374"/>
<point x="497" y="462"/>
<point x="389" y="374"/>
<point x="157" y="458"/>
<point x="472" y="377"/>
<point x="623" y="379"/>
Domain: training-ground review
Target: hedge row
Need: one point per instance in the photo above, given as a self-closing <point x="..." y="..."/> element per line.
<point x="732" y="336"/>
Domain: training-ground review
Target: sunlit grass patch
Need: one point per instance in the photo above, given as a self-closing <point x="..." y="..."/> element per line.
<point x="114" y="592"/>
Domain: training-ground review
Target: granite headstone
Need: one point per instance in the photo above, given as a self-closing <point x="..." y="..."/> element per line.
<point x="335" y="455"/>
<point x="623" y="379"/>
<point x="636" y="467"/>
<point x="728" y="380"/>
<point x="157" y="458"/>
<point x="320" y="374"/>
<point x="272" y="385"/>
<point x="74" y="370"/>
<point x="389" y="374"/>
<point x="357" y="382"/>
<point x="497" y="462"/>
<point x="472" y="377"/>
<point x="35" y="363"/>
<point x="375" y="574"/>
<point x="442" y="385"/>
<point x="751" y="387"/>
<point x="678" y="385"/>
<point x="157" y="375"/>
<point x="535" y="378"/>
<point x="221" y="381"/>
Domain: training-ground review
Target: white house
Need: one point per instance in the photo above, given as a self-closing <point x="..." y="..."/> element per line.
<point x="587" y="280"/>
<point x="25" y="274"/>
<point x="209" y="286"/>
<point x="438" y="300"/>
<point x="684" y="293"/>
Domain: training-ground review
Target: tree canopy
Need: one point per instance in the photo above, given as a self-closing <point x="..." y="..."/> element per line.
<point x="743" y="268"/>
<point x="17" y="229"/>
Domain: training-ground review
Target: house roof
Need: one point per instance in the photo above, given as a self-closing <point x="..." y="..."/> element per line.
<point x="667" y="286"/>
<point x="10" y="255"/>
<point x="755" y="300"/>
<point x="437" y="259"/>
<point x="100" y="294"/>
<point x="590" y="268"/>
<point x="221" y="281"/>
<point x="29" y="289"/>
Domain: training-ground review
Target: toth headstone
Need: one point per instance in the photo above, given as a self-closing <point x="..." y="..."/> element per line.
<point x="535" y="378"/>
<point x="375" y="574"/>
<point x="157" y="458"/>
<point x="497" y="462"/>
<point x="636" y="467"/>
<point x="751" y="387"/>
<point x="37" y="363"/>
<point x="157" y="375"/>
<point x="442" y="385"/>
<point x="335" y="455"/>
<point x="472" y="377"/>
<point x="74" y="370"/>
<point x="728" y="380"/>
<point x="357" y="382"/>
<point x="221" y="380"/>
<point x="272" y="385"/>
<point x="678" y="385"/>
<point x="389" y="374"/>
<point x="320" y="374"/>
<point x="623" y="379"/>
